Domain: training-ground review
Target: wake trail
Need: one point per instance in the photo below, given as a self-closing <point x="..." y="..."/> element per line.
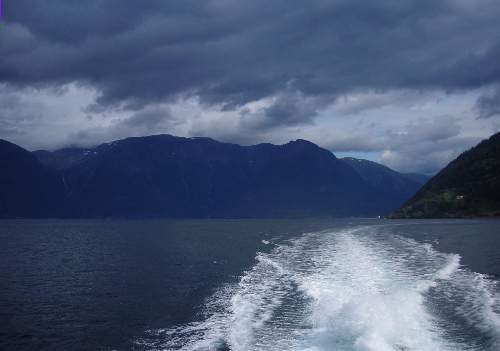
<point x="354" y="289"/>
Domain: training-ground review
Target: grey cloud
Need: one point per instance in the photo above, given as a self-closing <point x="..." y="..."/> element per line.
<point x="293" y="59"/>
<point x="422" y="145"/>
<point x="361" y="141"/>
<point x="427" y="157"/>
<point x="150" y="118"/>
<point x="488" y="105"/>
<point x="427" y="145"/>
<point x="232" y="52"/>
<point x="16" y="116"/>
<point x="422" y="131"/>
<point x="425" y="130"/>
<point x="287" y="109"/>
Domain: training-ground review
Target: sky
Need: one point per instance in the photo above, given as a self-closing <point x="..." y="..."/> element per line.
<point x="410" y="84"/>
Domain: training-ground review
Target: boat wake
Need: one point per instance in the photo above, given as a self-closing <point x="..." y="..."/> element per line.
<point x="356" y="289"/>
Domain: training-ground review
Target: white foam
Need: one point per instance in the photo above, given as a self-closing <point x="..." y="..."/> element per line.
<point x="345" y="290"/>
<point x="365" y="300"/>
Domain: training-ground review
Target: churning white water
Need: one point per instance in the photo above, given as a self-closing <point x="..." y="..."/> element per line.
<point x="354" y="289"/>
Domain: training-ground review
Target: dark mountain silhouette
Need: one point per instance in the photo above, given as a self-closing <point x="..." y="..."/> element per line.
<point x="164" y="176"/>
<point x="28" y="189"/>
<point x="468" y="187"/>
<point x="398" y="187"/>
<point x="63" y="158"/>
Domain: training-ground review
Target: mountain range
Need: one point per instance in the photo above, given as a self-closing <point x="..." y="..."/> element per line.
<point x="164" y="176"/>
<point x="468" y="187"/>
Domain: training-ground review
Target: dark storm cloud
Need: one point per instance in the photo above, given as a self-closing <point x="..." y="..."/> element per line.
<point x="488" y="105"/>
<point x="233" y="52"/>
<point x="287" y="109"/>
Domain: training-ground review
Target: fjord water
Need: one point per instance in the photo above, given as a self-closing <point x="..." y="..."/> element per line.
<point x="250" y="285"/>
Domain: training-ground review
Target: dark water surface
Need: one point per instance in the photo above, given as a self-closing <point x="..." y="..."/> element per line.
<point x="250" y="285"/>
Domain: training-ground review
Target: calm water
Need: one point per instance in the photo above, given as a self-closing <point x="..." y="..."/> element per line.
<point x="250" y="285"/>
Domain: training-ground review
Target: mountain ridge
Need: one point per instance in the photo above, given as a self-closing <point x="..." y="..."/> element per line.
<point x="469" y="186"/>
<point x="164" y="176"/>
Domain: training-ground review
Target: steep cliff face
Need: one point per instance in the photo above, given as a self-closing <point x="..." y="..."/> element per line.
<point x="468" y="187"/>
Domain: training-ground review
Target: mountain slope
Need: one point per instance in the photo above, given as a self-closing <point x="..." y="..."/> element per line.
<point x="62" y="159"/>
<point x="468" y="187"/>
<point x="396" y="187"/>
<point x="27" y="188"/>
<point x="417" y="177"/>
<point x="167" y="176"/>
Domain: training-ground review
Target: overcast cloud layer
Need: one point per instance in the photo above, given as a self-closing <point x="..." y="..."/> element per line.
<point x="407" y="83"/>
